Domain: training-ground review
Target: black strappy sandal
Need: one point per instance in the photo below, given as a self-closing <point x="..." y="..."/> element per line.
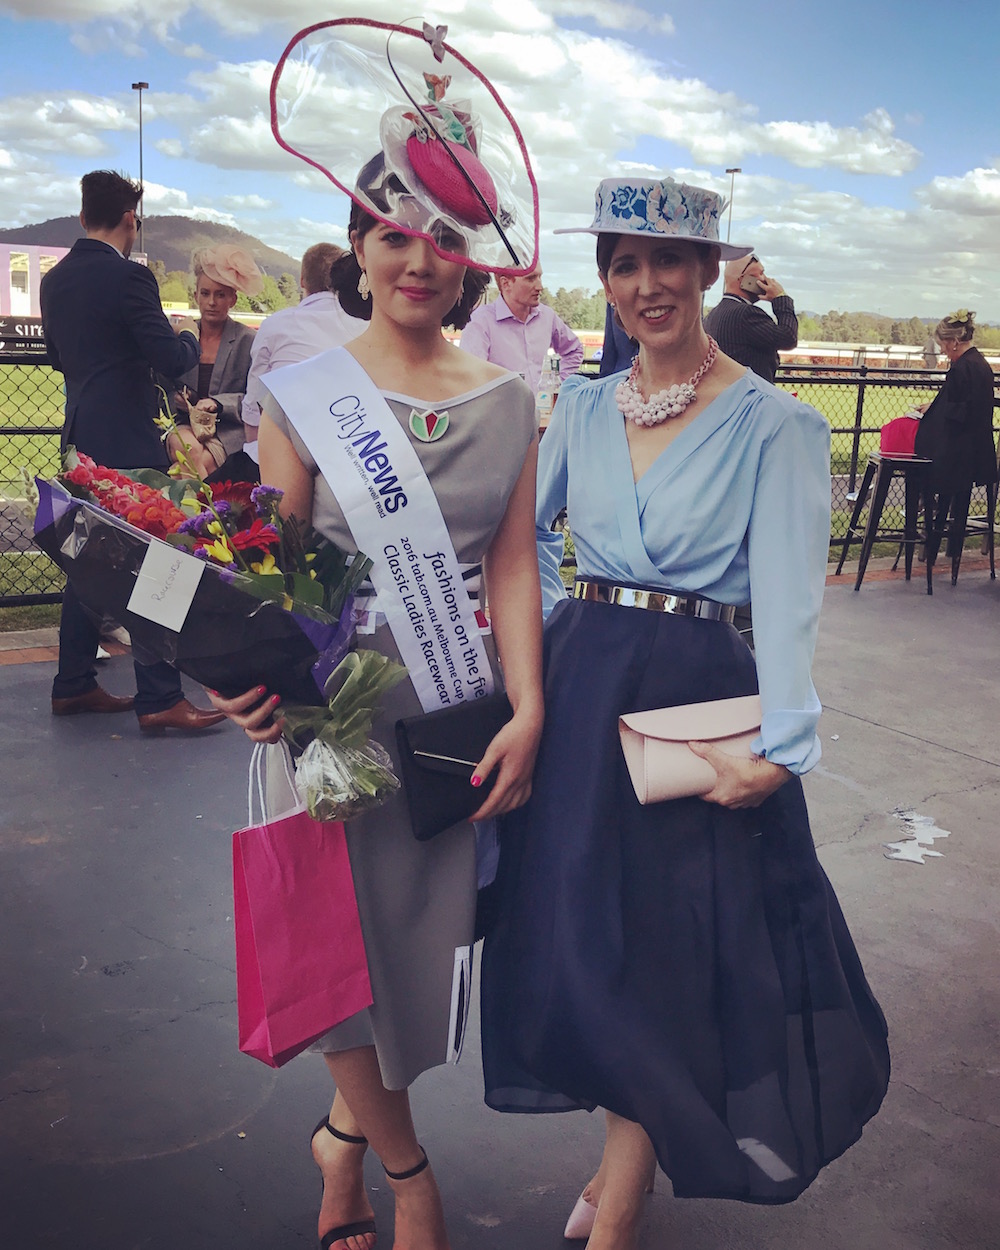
<point x="359" y="1227"/>
<point x="414" y="1171"/>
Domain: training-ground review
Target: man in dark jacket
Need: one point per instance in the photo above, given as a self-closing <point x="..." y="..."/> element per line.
<point x="105" y="331"/>
<point x="745" y="332"/>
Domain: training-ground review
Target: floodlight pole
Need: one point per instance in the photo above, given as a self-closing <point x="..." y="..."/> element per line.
<point x="732" y="187"/>
<point x="140" y="87"/>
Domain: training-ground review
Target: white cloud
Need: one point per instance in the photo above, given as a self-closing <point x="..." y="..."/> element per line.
<point x="976" y="192"/>
<point x="61" y="124"/>
<point x="613" y="16"/>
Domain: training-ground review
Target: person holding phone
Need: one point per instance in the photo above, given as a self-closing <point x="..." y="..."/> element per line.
<point x="745" y="332"/>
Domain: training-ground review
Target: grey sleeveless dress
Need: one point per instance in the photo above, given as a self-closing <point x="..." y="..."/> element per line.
<point x="417" y="900"/>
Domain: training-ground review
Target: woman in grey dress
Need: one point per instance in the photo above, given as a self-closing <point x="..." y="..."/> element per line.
<point x="417" y="899"/>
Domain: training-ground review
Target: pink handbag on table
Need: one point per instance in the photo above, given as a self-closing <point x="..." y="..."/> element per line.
<point x="300" y="957"/>
<point x="655" y="744"/>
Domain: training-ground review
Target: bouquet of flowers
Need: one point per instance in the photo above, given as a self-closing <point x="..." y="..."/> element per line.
<point x="212" y="579"/>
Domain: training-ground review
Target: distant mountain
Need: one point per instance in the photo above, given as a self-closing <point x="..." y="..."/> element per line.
<point x="169" y="239"/>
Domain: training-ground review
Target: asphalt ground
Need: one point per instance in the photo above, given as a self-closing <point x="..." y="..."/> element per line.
<point x="129" y="1120"/>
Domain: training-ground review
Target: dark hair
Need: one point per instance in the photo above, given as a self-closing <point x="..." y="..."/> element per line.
<point x="606" y="244"/>
<point x="107" y="197"/>
<point x="346" y="272"/>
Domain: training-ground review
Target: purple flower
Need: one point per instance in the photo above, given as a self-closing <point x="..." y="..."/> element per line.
<point x="266" y="499"/>
<point x="195" y="525"/>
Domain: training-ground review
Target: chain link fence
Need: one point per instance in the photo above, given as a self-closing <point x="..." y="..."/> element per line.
<point x="856" y="400"/>
<point x="31" y="418"/>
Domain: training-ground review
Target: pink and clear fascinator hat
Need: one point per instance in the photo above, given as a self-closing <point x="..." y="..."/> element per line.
<point x="414" y="134"/>
<point x="232" y="266"/>
<point x="659" y="208"/>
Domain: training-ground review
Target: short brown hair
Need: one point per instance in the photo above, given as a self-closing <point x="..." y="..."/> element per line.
<point x="317" y="262"/>
<point x="107" y="197"/>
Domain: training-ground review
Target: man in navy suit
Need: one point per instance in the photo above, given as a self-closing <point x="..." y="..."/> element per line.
<point x="105" y="331"/>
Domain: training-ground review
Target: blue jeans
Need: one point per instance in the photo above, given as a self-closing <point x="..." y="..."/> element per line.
<point x="158" y="685"/>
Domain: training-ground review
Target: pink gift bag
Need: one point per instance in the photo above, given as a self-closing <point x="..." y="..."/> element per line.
<point x="300" y="956"/>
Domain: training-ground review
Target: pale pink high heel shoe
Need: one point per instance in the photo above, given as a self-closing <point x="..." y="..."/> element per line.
<point x="580" y="1224"/>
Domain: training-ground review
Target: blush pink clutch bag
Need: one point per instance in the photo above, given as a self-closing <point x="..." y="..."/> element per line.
<point x="655" y="743"/>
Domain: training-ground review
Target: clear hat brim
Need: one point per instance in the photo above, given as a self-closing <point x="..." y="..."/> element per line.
<point x="336" y="103"/>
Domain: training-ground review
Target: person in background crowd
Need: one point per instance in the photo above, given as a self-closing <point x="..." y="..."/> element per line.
<point x="517" y="330"/>
<point x="956" y="432"/>
<point x="317" y="323"/>
<point x="619" y="350"/>
<point x="745" y="332"/>
<point x="106" y="331"/>
<point x="211" y="393"/>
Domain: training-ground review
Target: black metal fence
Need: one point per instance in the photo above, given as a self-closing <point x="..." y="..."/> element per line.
<point x="31" y="417"/>
<point x="856" y="400"/>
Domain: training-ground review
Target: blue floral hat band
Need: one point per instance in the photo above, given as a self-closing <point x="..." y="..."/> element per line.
<point x="660" y="209"/>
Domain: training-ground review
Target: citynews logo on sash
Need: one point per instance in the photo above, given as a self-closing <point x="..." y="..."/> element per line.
<point x="367" y="449"/>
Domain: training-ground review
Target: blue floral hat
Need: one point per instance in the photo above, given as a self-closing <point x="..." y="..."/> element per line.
<point x="660" y="208"/>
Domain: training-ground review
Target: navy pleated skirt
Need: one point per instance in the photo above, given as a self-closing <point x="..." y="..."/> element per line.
<point x="685" y="966"/>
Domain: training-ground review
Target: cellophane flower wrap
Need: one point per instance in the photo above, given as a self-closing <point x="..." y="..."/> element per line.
<point x="272" y="604"/>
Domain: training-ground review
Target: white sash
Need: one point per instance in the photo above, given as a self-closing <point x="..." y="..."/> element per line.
<point x="376" y="476"/>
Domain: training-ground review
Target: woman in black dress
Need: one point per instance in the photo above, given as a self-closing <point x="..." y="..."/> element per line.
<point x="957" y="431"/>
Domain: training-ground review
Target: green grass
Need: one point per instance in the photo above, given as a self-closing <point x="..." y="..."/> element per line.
<point x="42" y="616"/>
<point x="29" y="573"/>
<point x="30" y="395"/>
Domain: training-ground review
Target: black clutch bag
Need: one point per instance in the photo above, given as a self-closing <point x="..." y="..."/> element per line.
<point x="438" y="753"/>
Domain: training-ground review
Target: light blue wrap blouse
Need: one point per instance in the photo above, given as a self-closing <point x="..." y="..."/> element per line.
<point x="736" y="508"/>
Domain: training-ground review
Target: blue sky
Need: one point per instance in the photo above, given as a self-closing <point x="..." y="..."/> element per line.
<point x="866" y="132"/>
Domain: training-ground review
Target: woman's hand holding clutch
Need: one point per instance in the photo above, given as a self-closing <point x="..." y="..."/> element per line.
<point x="513" y="752"/>
<point x="741" y="782"/>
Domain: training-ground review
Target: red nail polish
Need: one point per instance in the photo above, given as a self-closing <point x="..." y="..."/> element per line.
<point x="262" y="689"/>
<point x="477" y="781"/>
<point x="275" y="698"/>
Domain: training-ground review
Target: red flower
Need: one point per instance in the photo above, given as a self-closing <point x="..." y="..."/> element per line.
<point x="258" y="535"/>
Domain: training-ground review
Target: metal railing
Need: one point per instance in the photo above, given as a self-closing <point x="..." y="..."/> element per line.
<point x="856" y="400"/>
<point x="32" y="403"/>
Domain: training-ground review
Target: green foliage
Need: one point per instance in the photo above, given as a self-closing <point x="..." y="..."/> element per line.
<point x="809" y="329"/>
<point x="288" y="285"/>
<point x="174" y="292"/>
<point x="269" y="300"/>
<point x="579" y="310"/>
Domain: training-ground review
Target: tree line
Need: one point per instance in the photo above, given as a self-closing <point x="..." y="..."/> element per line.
<point x="582" y="310"/>
<point x="177" y="287"/>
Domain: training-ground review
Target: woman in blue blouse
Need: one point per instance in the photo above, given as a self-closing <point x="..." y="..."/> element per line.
<point x="684" y="965"/>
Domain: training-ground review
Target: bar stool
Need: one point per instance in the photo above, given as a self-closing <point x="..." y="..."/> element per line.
<point x="880" y="471"/>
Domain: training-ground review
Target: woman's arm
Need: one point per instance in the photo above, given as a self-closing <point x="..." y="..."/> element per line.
<point x="254" y="710"/>
<point x="510" y="568"/>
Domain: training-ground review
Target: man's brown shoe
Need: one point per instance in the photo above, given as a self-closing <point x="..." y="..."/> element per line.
<point x="182" y="715"/>
<point x="96" y="700"/>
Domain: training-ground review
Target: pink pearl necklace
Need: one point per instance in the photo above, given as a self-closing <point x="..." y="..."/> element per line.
<point x="669" y="402"/>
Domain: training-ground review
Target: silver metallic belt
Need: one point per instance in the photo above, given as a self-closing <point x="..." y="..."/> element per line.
<point x="653" y="600"/>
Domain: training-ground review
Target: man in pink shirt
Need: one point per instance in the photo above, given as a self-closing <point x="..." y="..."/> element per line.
<point x="517" y="330"/>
